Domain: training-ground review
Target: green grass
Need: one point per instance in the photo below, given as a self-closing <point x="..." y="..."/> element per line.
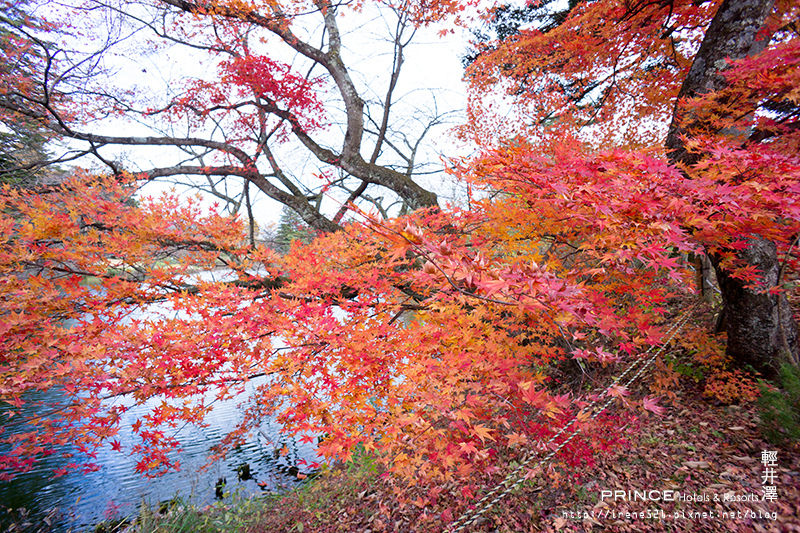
<point x="780" y="407"/>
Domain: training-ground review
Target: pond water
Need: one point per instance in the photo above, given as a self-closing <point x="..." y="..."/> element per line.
<point x="76" y="501"/>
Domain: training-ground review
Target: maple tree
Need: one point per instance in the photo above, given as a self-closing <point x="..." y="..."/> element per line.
<point x="442" y="340"/>
<point x="453" y="383"/>
<point x="672" y="78"/>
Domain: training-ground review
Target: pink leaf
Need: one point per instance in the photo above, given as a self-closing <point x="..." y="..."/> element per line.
<point x="651" y="404"/>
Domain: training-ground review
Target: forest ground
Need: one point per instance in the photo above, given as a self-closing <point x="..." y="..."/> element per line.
<point x="698" y="448"/>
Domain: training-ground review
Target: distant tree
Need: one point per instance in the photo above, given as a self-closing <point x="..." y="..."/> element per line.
<point x="505" y="21"/>
<point x="290" y="228"/>
<point x="24" y="159"/>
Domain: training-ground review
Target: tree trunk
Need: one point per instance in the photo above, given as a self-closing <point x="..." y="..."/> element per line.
<point x="760" y="327"/>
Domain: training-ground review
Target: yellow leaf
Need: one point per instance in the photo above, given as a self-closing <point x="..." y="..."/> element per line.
<point x="483" y="433"/>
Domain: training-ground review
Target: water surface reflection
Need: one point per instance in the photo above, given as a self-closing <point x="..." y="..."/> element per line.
<point x="80" y="500"/>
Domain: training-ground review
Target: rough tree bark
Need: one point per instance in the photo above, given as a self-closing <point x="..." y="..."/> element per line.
<point x="760" y="328"/>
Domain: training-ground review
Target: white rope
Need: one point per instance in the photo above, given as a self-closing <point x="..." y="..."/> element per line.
<point x="514" y="478"/>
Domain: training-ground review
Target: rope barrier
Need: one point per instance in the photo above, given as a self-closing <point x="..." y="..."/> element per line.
<point x="514" y="478"/>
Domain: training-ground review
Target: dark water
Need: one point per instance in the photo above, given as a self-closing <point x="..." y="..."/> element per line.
<point x="77" y="501"/>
